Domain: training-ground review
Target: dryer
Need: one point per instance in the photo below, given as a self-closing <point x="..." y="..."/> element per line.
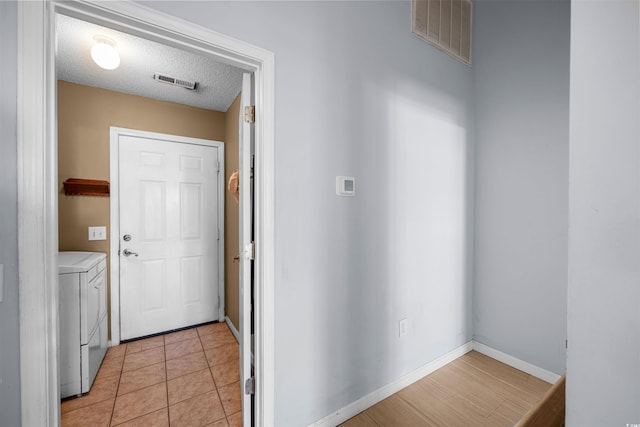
<point x="83" y="319"/>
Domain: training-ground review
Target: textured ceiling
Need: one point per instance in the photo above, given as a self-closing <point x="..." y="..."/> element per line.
<point x="218" y="84"/>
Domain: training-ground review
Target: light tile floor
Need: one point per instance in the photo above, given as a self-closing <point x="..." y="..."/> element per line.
<point x="186" y="378"/>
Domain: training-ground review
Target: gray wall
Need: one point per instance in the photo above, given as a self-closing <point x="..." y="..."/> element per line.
<point x="521" y="63"/>
<point x="357" y="94"/>
<point x="9" y="330"/>
<point x="603" y="381"/>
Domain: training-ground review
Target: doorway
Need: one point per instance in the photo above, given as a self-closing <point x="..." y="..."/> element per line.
<point x="38" y="193"/>
<point x="167" y="230"/>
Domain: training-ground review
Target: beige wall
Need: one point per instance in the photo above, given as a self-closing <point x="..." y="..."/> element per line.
<point x="232" y="218"/>
<point x="84" y="117"/>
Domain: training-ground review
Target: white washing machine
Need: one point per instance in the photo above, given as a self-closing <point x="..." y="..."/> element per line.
<point x="83" y="319"/>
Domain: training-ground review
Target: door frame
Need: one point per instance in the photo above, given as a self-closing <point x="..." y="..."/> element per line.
<point x="114" y="207"/>
<point x="38" y="189"/>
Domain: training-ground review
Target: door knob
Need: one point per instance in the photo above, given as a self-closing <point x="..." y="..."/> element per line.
<point x="128" y="252"/>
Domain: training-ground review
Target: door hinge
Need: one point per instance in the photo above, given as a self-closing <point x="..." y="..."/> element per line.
<point x="250" y="386"/>
<point x="250" y="251"/>
<point x="250" y="114"/>
<point x="218" y="167"/>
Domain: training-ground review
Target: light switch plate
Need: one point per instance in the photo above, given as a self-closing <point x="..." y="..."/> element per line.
<point x="98" y="233"/>
<point x="402" y="327"/>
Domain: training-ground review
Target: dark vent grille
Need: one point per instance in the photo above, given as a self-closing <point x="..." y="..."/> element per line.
<point x="187" y="84"/>
<point x="166" y="79"/>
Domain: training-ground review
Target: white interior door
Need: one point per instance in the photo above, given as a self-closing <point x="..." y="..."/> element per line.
<point x="246" y="248"/>
<point x="170" y="231"/>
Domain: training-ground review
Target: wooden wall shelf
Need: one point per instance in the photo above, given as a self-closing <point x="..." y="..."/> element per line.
<point x="86" y="187"/>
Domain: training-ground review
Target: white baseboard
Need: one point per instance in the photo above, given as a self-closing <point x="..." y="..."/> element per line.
<point x="514" y="362"/>
<point x="376" y="396"/>
<point x="234" y="331"/>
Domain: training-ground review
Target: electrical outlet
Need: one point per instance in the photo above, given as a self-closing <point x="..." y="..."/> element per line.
<point x="402" y="327"/>
<point x="98" y="233"/>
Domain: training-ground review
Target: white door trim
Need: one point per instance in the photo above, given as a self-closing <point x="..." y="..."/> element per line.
<point x="114" y="226"/>
<point x="37" y="186"/>
<point x="37" y="218"/>
<point x="246" y="239"/>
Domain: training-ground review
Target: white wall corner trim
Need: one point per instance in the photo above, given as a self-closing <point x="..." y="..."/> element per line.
<point x="232" y="327"/>
<point x="514" y="362"/>
<point x="406" y="380"/>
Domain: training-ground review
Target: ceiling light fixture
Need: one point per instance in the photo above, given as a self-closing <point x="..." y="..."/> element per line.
<point x="104" y="53"/>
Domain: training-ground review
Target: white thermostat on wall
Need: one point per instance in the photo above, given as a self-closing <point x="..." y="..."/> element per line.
<point x="345" y="186"/>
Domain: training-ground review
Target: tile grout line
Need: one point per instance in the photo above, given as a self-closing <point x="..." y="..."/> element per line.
<point x="166" y="381"/>
<point x="115" y="398"/>
<point x="113" y="407"/>
<point x="215" y="385"/>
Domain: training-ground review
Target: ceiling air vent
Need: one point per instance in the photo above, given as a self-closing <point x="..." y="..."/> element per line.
<point x="446" y="24"/>
<point x="187" y="84"/>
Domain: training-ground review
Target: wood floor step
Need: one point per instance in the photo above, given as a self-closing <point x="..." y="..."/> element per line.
<point x="474" y="390"/>
<point x="549" y="412"/>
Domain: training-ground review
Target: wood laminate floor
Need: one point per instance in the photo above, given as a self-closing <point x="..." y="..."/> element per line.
<point x="473" y="390"/>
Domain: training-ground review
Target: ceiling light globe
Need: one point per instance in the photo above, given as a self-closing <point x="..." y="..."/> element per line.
<point x="105" y="54"/>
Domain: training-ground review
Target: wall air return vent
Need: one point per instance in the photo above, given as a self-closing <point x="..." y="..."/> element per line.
<point x="187" y="84"/>
<point x="446" y="24"/>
